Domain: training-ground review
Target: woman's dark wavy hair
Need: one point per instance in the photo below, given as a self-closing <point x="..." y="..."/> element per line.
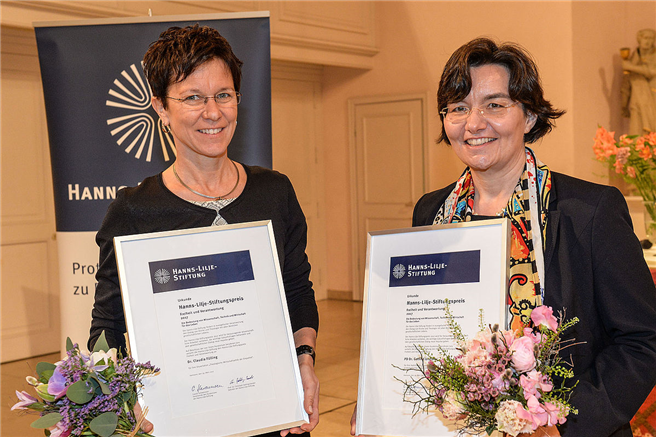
<point x="524" y="84"/>
<point x="180" y="51"/>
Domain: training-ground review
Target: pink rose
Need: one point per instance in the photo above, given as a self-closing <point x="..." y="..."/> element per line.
<point x="535" y="414"/>
<point x="532" y="381"/>
<point x="543" y="316"/>
<point x="556" y="415"/>
<point x="523" y="357"/>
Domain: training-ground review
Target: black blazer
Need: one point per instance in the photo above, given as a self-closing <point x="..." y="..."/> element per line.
<point x="595" y="270"/>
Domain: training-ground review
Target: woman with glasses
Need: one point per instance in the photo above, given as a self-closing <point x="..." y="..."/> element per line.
<point x="195" y="80"/>
<point x="573" y="246"/>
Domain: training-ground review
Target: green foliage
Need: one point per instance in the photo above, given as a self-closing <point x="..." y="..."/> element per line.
<point x="46" y="421"/>
<point x="105" y="424"/>
<point x="79" y="392"/>
<point x="101" y="343"/>
<point x="44" y="371"/>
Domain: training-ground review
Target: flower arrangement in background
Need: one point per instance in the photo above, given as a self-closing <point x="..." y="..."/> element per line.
<point x="634" y="158"/>
<point x="500" y="380"/>
<point x="89" y="395"/>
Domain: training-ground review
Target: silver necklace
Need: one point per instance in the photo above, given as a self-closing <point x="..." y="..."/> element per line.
<point x="205" y="195"/>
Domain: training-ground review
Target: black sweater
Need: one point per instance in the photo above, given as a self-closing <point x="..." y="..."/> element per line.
<point x="151" y="207"/>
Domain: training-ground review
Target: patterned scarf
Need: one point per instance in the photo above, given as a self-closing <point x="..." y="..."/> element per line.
<point x="530" y="199"/>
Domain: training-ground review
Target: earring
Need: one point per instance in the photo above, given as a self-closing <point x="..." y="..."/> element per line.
<point x="166" y="129"/>
<point x="235" y="122"/>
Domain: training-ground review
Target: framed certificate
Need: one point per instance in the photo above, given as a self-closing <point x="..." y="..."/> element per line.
<point x="409" y="277"/>
<point x="208" y="307"/>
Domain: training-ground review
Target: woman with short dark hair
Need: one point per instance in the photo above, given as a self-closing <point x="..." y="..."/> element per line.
<point x="573" y="245"/>
<point x="195" y="79"/>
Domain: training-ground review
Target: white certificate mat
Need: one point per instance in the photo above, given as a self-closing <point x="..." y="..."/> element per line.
<point x="410" y="275"/>
<point x="208" y="307"/>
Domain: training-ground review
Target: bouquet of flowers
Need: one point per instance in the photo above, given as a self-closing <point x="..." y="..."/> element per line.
<point x="500" y="380"/>
<point x="87" y="395"/>
<point x="634" y="158"/>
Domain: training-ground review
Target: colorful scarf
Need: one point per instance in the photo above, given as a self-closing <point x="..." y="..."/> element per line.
<point x="529" y="200"/>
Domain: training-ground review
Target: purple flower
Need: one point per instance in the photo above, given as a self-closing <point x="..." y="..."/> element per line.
<point x="24" y="401"/>
<point x="57" y="384"/>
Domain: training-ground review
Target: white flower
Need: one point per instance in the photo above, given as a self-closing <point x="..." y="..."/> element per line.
<point x="96" y="357"/>
<point x="452" y="409"/>
<point x="509" y="422"/>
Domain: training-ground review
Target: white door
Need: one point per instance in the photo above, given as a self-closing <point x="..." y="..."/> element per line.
<point x="28" y="256"/>
<point x="388" y="137"/>
<point x="296" y="118"/>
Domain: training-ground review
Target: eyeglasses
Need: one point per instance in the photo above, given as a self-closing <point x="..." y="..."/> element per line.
<point x="224" y="98"/>
<point x="460" y="113"/>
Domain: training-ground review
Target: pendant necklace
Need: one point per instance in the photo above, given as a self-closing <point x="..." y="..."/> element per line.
<point x="205" y="195"/>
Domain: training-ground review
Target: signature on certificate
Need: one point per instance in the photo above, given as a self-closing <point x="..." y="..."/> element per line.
<point x="242" y="379"/>
<point x="201" y="388"/>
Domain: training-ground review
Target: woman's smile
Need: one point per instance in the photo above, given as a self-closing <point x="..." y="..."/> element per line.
<point x="479" y="141"/>
<point x="486" y="143"/>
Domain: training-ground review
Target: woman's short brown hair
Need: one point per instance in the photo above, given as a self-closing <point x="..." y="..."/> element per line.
<point x="524" y="84"/>
<point x="180" y="51"/>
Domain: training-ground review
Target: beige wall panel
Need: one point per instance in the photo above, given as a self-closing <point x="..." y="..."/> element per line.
<point x="382" y="183"/>
<point x="23" y="199"/>
<point x="30" y="306"/>
<point x="29" y="325"/>
<point x="354" y="17"/>
<point x="297" y="152"/>
<point x="221" y="6"/>
<point x="350" y="23"/>
<point x="385" y="223"/>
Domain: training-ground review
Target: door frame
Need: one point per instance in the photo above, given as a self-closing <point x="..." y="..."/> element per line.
<point x="358" y="290"/>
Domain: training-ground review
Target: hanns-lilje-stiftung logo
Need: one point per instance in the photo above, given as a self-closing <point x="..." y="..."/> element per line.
<point x="136" y="131"/>
<point x="398" y="271"/>
<point x="162" y="276"/>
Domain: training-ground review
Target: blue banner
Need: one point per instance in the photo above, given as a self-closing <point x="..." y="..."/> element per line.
<point x="103" y="133"/>
<point x="435" y="268"/>
<point x="201" y="271"/>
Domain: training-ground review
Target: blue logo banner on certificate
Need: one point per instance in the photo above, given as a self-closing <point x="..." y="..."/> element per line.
<point x="411" y="274"/>
<point x="435" y="268"/>
<point x="201" y="271"/>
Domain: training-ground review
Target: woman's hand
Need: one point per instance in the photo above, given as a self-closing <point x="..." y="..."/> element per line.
<point x="310" y="382"/>
<point x="146" y="425"/>
<point x="311" y="396"/>
<point x="355" y="413"/>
